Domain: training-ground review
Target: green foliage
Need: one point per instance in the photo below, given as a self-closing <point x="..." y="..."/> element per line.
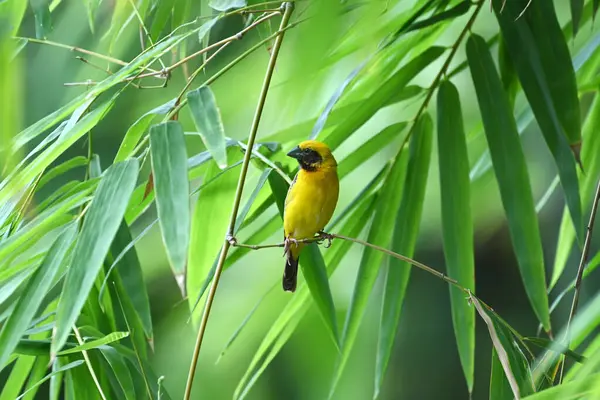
<point x="96" y="258"/>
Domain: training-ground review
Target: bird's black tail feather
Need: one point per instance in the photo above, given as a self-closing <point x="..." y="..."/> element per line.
<point x="290" y="273"/>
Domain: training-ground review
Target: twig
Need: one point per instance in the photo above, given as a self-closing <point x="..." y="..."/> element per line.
<point x="89" y="363"/>
<point x="288" y="7"/>
<point x="329" y="236"/>
<point x="580" y="269"/>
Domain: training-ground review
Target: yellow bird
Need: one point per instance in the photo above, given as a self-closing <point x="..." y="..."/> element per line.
<point x="310" y="202"/>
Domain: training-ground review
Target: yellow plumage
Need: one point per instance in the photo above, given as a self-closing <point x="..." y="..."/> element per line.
<point x="310" y="201"/>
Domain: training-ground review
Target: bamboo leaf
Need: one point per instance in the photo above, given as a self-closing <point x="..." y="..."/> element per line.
<point x="207" y="118"/>
<point x="17" y="377"/>
<point x="525" y="54"/>
<point x="224" y="5"/>
<point x="555" y="59"/>
<point x="57" y="171"/>
<point x="119" y="367"/>
<point x="499" y="387"/>
<point x="135" y="131"/>
<point x="91" y="8"/>
<point x="32" y="296"/>
<point x="364" y="111"/>
<point x="578" y="389"/>
<point x="171" y="185"/>
<point x="73" y="364"/>
<point x="590" y="157"/>
<point x="406" y="229"/>
<point x="380" y="234"/>
<point x="213" y="209"/>
<point x="452" y="13"/>
<point x="313" y="266"/>
<point x="282" y="328"/>
<point x="99" y="228"/>
<point x="457" y="223"/>
<point x="511" y="173"/>
<point x="511" y="358"/>
<point x="37" y="372"/>
<point x="112" y="337"/>
<point x="576" y="11"/>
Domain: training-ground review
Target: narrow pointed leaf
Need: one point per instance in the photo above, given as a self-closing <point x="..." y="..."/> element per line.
<point x="499" y="386"/>
<point x="137" y="129"/>
<point x="590" y="157"/>
<point x="120" y="369"/>
<point x="380" y="234"/>
<point x="207" y="118"/>
<point x="171" y="185"/>
<point x="213" y="208"/>
<point x="73" y="364"/>
<point x="511" y="173"/>
<point x="578" y="389"/>
<point x="17" y="377"/>
<point x="514" y="363"/>
<point x="32" y="296"/>
<point x="522" y="46"/>
<point x="457" y="223"/>
<point x="406" y="229"/>
<point x="99" y="228"/>
<point x="224" y="5"/>
<point x="112" y="337"/>
<point x="559" y="70"/>
<point x="284" y="325"/>
<point x="313" y="266"/>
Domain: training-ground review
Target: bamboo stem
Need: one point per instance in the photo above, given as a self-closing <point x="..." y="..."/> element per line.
<point x="288" y="7"/>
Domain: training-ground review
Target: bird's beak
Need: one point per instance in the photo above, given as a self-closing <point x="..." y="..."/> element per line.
<point x="296" y="153"/>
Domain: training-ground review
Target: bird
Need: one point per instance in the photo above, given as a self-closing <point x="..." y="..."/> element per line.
<point x="309" y="203"/>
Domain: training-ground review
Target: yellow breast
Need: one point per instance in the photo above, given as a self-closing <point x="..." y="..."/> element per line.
<point x="310" y="202"/>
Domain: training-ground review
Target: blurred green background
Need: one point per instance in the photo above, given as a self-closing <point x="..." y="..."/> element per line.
<point x="425" y="363"/>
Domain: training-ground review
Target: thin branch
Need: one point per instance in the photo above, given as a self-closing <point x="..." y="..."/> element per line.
<point x="288" y="7"/>
<point x="580" y="269"/>
<point x="330" y="236"/>
<point x="141" y="21"/>
<point x="89" y="363"/>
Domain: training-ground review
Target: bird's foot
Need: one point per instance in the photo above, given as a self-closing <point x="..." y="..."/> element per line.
<point x="325" y="236"/>
<point x="287" y="244"/>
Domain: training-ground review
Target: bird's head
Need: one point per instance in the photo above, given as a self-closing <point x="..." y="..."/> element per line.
<point x="313" y="156"/>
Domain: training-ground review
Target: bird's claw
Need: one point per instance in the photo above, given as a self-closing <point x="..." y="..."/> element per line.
<point x="325" y="236"/>
<point x="287" y="243"/>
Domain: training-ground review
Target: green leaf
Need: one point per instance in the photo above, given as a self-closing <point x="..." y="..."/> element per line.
<point x="246" y="209"/>
<point x="50" y="375"/>
<point x="207" y="118"/>
<point x="406" y="229"/>
<point x="224" y="5"/>
<point x="137" y="129"/>
<point x="549" y="344"/>
<point x="510" y="356"/>
<point x="17" y="377"/>
<point x="590" y="157"/>
<point x="171" y="185"/>
<point x="364" y="111"/>
<point x="525" y="54"/>
<point x="579" y="389"/>
<point x="576" y="11"/>
<point x="162" y="14"/>
<point x="370" y="148"/>
<point x="313" y="266"/>
<point x="112" y="337"/>
<point x="99" y="228"/>
<point x="206" y="27"/>
<point x="452" y="13"/>
<point x="13" y="11"/>
<point x="499" y="386"/>
<point x="67" y="139"/>
<point x="121" y="370"/>
<point x="457" y="223"/>
<point x="559" y="70"/>
<point x="596" y="6"/>
<point x="37" y="372"/>
<point x="511" y="173"/>
<point x="32" y="296"/>
<point x="380" y="234"/>
<point x="43" y="18"/>
<point x="129" y="279"/>
<point x="91" y="8"/>
<point x="213" y="208"/>
<point x="282" y="328"/>
<point x="59" y="170"/>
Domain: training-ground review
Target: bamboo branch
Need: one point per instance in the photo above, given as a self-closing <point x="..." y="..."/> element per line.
<point x="288" y="7"/>
<point x="582" y="263"/>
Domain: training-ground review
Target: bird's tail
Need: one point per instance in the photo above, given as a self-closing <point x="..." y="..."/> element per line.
<point x="290" y="272"/>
